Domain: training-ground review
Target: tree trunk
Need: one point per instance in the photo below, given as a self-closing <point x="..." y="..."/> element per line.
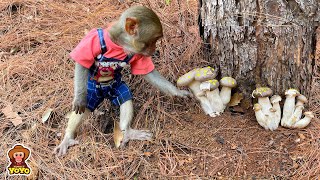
<point x="262" y="42"/>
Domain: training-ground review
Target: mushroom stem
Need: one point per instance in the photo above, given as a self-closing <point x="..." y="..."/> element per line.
<point x="215" y="100"/>
<point x="289" y="106"/>
<point x="225" y="95"/>
<point x="288" y="109"/>
<point x="302" y="123"/>
<point x="261" y="118"/>
<point x="204" y="102"/>
<point x="265" y="105"/>
<point x="275" y="99"/>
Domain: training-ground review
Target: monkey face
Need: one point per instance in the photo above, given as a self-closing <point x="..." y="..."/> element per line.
<point x="18" y="156"/>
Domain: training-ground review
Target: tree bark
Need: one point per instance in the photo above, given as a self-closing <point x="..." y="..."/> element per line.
<point x="262" y="42"/>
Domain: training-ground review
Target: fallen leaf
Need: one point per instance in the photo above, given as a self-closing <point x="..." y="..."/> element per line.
<point x="147" y="153"/>
<point x="235" y="99"/>
<point x="117" y="134"/>
<point x="233" y="146"/>
<point x="301" y="136"/>
<point x="12" y="116"/>
<point x="46" y="115"/>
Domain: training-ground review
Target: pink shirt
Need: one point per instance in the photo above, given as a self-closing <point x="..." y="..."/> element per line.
<point x="89" y="47"/>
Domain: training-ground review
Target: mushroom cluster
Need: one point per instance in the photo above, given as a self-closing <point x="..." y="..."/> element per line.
<point x="292" y="110"/>
<point x="268" y="112"/>
<point x="206" y="89"/>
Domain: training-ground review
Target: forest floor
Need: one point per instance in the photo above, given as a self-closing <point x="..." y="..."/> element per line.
<point x="37" y="75"/>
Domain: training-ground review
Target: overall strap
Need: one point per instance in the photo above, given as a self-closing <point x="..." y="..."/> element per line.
<point x="104" y="49"/>
<point x="102" y="42"/>
<point x="128" y="58"/>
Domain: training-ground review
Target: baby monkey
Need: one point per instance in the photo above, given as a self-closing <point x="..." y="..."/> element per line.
<point x="99" y="59"/>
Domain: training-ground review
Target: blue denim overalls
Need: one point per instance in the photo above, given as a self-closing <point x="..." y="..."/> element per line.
<point x="104" y="79"/>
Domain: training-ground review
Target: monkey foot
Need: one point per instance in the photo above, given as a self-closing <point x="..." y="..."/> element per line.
<point x="63" y="147"/>
<point x="133" y="134"/>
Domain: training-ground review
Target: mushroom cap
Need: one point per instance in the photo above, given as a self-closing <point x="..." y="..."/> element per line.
<point x="228" y="82"/>
<point x="187" y="78"/>
<point x="262" y="92"/>
<point x="206" y="73"/>
<point x="209" y="85"/>
<point x="302" y="98"/>
<point x="275" y="98"/>
<point x="257" y="107"/>
<point x="292" y="92"/>
<point x="309" y="114"/>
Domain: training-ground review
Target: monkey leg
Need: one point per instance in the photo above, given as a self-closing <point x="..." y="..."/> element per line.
<point x="126" y="116"/>
<point x="73" y="123"/>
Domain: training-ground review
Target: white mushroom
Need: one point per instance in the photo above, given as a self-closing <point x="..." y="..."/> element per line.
<point x="227" y="84"/>
<point x="275" y="99"/>
<point x="188" y="79"/>
<point x="263" y="93"/>
<point x="212" y="92"/>
<point x="266" y="115"/>
<point x="302" y="123"/>
<point x="296" y="116"/>
<point x="289" y="106"/>
<point x="261" y="118"/>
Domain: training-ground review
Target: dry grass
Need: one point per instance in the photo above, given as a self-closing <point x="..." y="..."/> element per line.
<point x="36" y="74"/>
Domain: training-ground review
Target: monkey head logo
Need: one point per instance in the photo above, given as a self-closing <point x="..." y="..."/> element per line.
<point x="17" y="157"/>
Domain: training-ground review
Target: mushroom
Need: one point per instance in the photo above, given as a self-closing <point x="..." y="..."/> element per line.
<point x="289" y="106"/>
<point x="227" y="84"/>
<point x="266" y="115"/>
<point x="295" y="120"/>
<point x="261" y="118"/>
<point x="188" y="79"/>
<point x="275" y="99"/>
<point x="212" y="92"/>
<point x="263" y="93"/>
<point x="302" y="123"/>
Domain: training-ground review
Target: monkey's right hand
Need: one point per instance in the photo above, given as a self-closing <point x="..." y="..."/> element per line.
<point x="65" y="144"/>
<point x="79" y="105"/>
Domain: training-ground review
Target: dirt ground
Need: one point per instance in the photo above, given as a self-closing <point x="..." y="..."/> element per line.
<point x="37" y="74"/>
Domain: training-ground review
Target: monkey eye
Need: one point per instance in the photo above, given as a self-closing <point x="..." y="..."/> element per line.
<point x="20" y="154"/>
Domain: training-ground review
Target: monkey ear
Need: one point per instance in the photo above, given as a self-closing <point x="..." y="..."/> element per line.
<point x="131" y="26"/>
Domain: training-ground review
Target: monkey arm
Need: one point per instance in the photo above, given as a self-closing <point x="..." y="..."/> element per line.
<point x="157" y="80"/>
<point x="80" y="88"/>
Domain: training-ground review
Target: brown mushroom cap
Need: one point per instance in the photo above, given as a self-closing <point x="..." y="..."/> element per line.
<point x="228" y="82"/>
<point x="187" y="78"/>
<point x="262" y="92"/>
<point x="302" y="98"/>
<point x="206" y="73"/>
<point x="209" y="85"/>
